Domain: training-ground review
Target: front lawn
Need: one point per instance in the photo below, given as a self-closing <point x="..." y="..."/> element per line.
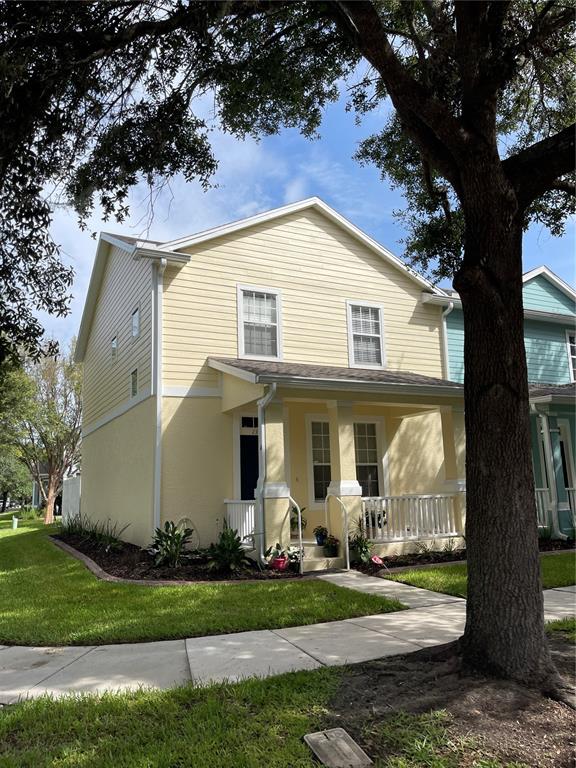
<point x="49" y="598"/>
<point x="565" y="629"/>
<point x="557" y="571"/>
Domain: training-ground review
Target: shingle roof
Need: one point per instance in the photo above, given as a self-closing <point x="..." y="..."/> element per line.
<point x="559" y="390"/>
<point x="268" y="370"/>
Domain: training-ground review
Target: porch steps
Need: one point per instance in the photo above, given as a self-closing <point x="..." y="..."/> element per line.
<point x="316" y="560"/>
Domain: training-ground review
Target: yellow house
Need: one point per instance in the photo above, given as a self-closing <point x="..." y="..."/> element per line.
<point x="280" y="362"/>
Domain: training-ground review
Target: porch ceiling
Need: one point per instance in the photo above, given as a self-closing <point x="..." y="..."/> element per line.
<point x="307" y="376"/>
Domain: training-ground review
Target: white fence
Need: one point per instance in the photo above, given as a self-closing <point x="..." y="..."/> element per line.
<point x="401" y="518"/>
<point x="240" y="517"/>
<point x="71" y="497"/>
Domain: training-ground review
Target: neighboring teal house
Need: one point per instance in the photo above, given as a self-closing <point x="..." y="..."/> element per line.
<point x="550" y="340"/>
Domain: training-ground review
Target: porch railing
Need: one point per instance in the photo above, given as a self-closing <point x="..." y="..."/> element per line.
<point x="543" y="506"/>
<point x="400" y="518"/>
<point x="572" y="500"/>
<point x="240" y="517"/>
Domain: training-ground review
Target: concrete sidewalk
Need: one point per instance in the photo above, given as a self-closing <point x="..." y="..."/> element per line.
<point x="432" y="619"/>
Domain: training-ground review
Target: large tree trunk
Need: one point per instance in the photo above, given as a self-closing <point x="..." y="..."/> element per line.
<point x="505" y="625"/>
<point x="50" y="500"/>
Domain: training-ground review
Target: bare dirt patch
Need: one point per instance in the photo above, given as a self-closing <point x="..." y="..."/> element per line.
<point x="506" y="721"/>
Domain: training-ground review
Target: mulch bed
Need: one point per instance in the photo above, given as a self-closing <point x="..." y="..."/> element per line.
<point x="440" y="557"/>
<point x="132" y="562"/>
<point x="507" y="721"/>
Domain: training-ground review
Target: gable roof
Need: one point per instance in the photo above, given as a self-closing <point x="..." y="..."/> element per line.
<point x="310" y="203"/>
<point x="551" y="277"/>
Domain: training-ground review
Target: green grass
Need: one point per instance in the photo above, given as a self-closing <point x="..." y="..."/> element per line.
<point x="49" y="598"/>
<point x="252" y="724"/>
<point x="557" y="571"/>
<point x="564" y="628"/>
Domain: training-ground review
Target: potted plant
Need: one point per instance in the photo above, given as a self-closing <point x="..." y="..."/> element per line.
<point x="331" y="545"/>
<point x="320" y="532"/>
<point x="279" y="558"/>
<point x="294" y="519"/>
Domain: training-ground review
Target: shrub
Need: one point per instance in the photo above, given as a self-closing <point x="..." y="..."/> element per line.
<point x="361" y="545"/>
<point x="169" y="545"/>
<point x="228" y="554"/>
<point x="28" y="513"/>
<point x="99" y="534"/>
<point x="294" y="518"/>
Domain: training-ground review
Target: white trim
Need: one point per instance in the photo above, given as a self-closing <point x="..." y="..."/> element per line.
<point x="570" y="364"/>
<point x="232" y="370"/>
<point x="158" y="270"/>
<point x="381" y="449"/>
<point x="445" y="348"/>
<point x="192" y="391"/>
<point x="566" y="437"/>
<point x="553" y="278"/>
<point x="344" y="488"/>
<point x="301" y="205"/>
<point x="276" y="491"/>
<point x="119" y="410"/>
<point x="135" y="311"/>
<point x="240" y="288"/>
<point x="313" y="503"/>
<point x="369" y="305"/>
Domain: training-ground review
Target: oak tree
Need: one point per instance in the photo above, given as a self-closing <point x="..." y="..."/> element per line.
<point x="97" y="96"/>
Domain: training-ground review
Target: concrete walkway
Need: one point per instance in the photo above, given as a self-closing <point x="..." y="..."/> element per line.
<point x="432" y="619"/>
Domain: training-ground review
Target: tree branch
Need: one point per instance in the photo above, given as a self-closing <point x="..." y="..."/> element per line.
<point x="535" y="170"/>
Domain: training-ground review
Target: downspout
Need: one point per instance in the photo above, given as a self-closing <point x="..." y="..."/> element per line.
<point x="262" y="403"/>
<point x="157" y="387"/>
<point x="446" y="361"/>
<point x="548" y="458"/>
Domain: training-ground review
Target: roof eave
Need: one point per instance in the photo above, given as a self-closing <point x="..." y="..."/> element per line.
<point x="297" y="382"/>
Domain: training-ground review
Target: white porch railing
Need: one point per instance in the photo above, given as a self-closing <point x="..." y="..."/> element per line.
<point x="240" y="517"/>
<point x="400" y="518"/>
<point x="542" y="506"/>
<point x="572" y="500"/>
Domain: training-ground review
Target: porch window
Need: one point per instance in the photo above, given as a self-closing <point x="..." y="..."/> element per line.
<point x="322" y="474"/>
<point x="259" y="323"/>
<point x="366" y="448"/>
<point x="571" y="342"/>
<point x="365" y="335"/>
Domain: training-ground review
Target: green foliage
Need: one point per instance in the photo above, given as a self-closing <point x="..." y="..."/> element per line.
<point x="564" y="628"/>
<point x="294" y="518"/>
<point x="360" y="544"/>
<point x="28" y="513"/>
<point x="100" y="534"/>
<point x="228" y="554"/>
<point x="15" y="479"/>
<point x="169" y="546"/>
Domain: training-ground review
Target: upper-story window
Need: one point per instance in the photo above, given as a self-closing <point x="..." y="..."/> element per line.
<point x="365" y="342"/>
<point x="134" y="383"/>
<point x="571" y="342"/>
<point x="114" y="348"/>
<point x="259" y="323"/>
<point x="136" y="322"/>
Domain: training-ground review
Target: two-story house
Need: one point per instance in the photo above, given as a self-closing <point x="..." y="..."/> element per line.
<point x="285" y="360"/>
<point x="550" y="343"/>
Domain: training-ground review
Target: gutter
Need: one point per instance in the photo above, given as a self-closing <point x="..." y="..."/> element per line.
<point x="446" y="360"/>
<point x="158" y="271"/>
<point x="262" y="403"/>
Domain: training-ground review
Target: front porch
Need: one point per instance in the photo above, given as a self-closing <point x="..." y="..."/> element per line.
<point x="387" y="458"/>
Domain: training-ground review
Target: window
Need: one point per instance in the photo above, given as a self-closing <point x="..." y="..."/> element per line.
<point x="136" y="322"/>
<point x="365" y="336"/>
<point x="114" y="348"/>
<point x="259" y="332"/>
<point x="321" y="471"/>
<point x="571" y="342"/>
<point x="366" y="448"/>
<point x="134" y="383"/>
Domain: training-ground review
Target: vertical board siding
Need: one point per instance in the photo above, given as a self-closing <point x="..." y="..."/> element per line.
<point x="545" y="343"/>
<point x="540" y="294"/>
<point x="317" y="266"/>
<point x="126" y="284"/>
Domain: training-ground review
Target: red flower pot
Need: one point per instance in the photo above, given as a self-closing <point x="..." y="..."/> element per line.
<point x="279" y="563"/>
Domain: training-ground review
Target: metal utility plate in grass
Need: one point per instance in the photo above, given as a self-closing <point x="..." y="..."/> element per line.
<point x="337" y="749"/>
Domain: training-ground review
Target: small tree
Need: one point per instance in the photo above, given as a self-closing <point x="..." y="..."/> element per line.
<point x="15" y="480"/>
<point x="49" y="436"/>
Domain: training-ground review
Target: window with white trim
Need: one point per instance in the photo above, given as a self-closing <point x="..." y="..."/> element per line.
<point x="321" y="467"/>
<point x="134" y="383"/>
<point x="114" y="348"/>
<point x="136" y="322"/>
<point x="259" y="323"/>
<point x="365" y="335"/>
<point x="366" y="450"/>
<point x="571" y="342"/>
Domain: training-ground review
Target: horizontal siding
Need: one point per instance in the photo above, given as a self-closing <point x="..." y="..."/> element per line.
<point x="126" y="284"/>
<point x="545" y="343"/>
<point x="317" y="266"/>
<point x="540" y="294"/>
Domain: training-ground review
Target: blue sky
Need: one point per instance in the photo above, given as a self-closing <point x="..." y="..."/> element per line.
<point x="254" y="177"/>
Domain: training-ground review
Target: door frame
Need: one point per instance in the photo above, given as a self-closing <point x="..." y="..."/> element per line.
<point x="236" y="432"/>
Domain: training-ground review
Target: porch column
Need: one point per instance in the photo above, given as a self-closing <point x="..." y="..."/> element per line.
<point x="454" y="444"/>
<point x="276" y="492"/>
<point x="343" y="460"/>
<point x="564" y="514"/>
